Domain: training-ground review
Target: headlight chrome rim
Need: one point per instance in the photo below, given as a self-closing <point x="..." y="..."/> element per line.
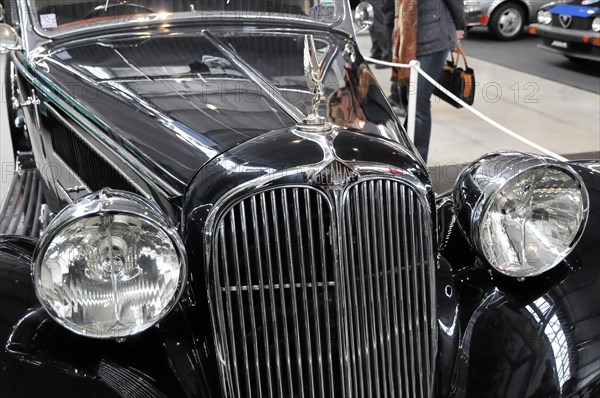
<point x="471" y="212"/>
<point x="108" y="202"/>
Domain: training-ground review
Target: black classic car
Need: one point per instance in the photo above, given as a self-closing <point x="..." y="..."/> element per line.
<point x="571" y="29"/>
<point x="217" y="200"/>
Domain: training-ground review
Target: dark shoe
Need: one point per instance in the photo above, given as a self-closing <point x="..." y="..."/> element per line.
<point x="399" y="111"/>
<point x="394" y="100"/>
<point x="397" y="107"/>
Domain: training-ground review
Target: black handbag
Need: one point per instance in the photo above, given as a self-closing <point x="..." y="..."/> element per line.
<point x="459" y="81"/>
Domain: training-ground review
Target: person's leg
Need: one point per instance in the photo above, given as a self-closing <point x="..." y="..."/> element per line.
<point x="431" y="64"/>
<point x="381" y="41"/>
<point x="397" y="101"/>
<point x="388" y="18"/>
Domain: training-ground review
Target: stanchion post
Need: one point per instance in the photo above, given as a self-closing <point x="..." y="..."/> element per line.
<point x="412" y="98"/>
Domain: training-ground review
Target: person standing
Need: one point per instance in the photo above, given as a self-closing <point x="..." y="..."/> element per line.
<point x="425" y="30"/>
<point x="380" y="36"/>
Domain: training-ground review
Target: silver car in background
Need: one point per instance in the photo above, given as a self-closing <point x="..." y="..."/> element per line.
<point x="505" y="19"/>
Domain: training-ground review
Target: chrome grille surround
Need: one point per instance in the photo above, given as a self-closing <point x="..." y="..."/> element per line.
<point x="310" y="297"/>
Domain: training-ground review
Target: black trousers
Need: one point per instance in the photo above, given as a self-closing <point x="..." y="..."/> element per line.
<point x="381" y="32"/>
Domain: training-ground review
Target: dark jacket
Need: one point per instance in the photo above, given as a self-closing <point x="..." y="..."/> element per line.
<point x="438" y="22"/>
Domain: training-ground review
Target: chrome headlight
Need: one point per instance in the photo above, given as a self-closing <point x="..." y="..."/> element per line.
<point x="523" y="213"/>
<point x="544" y="17"/>
<point x="109" y="266"/>
<point x="596" y="24"/>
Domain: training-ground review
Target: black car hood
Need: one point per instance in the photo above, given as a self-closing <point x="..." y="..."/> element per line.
<point x="175" y="101"/>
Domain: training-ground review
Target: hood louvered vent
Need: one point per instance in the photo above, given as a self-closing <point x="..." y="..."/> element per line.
<point x="94" y="170"/>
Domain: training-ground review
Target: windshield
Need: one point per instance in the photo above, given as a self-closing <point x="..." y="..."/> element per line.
<point x="54" y="17"/>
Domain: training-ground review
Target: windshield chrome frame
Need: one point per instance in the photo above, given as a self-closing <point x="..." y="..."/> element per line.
<point x="28" y="10"/>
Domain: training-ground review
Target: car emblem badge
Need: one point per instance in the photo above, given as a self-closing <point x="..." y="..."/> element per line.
<point x="565" y="20"/>
<point x="335" y="173"/>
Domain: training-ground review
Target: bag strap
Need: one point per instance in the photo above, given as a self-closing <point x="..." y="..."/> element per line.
<point x="454" y="61"/>
<point x="460" y="53"/>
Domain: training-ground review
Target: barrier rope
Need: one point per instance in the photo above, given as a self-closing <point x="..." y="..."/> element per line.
<point x="469" y="108"/>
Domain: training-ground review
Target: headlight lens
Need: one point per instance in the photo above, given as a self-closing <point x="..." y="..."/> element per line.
<point x="596" y="24"/>
<point x="109" y="266"/>
<point x="528" y="215"/>
<point x="544" y="17"/>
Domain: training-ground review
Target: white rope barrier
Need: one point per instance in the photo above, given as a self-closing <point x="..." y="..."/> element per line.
<point x="414" y="66"/>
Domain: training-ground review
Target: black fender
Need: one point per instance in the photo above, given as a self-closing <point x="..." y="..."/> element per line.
<point x="38" y="357"/>
<point x="538" y="337"/>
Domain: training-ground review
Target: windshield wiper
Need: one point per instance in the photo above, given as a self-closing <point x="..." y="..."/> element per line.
<point x="257" y="78"/>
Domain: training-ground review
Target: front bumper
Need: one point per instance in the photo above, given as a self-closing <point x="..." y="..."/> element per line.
<point x="574" y="43"/>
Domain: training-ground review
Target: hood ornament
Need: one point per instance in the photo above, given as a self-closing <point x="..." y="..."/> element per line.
<point x="313" y="71"/>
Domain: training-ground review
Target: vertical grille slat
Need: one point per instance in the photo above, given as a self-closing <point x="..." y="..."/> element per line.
<point x="317" y="322"/>
<point x="261" y="289"/>
<point x="424" y="299"/>
<point x="391" y="206"/>
<point x="383" y="239"/>
<point x="328" y="303"/>
<point x="415" y="293"/>
<point x="323" y="259"/>
<point x="363" y="296"/>
<point x="305" y="306"/>
<point x="240" y="300"/>
<point x="295" y="309"/>
<point x="378" y="343"/>
<point x="408" y="289"/>
<point x="221" y="316"/>
<point x="368" y="277"/>
<point x="401" y="332"/>
<point x="278" y="242"/>
<point x="253" y="331"/>
<point x="236" y="378"/>
<point x="353" y="316"/>
<point x="272" y="293"/>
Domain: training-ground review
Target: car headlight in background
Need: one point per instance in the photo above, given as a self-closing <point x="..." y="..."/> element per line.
<point x="523" y="213"/>
<point x="596" y="24"/>
<point x="109" y="265"/>
<point x="544" y="17"/>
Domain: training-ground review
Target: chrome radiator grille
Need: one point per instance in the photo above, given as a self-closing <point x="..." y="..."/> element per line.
<point x="389" y="285"/>
<point x="310" y="302"/>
